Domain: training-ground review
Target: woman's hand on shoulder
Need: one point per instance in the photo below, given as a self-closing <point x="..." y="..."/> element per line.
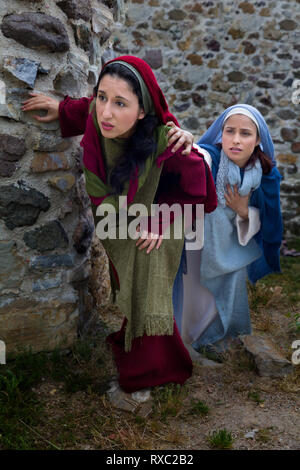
<point x="41" y="101"/>
<point x="181" y="137"/>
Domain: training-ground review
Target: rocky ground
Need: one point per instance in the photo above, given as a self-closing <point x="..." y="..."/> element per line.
<point x="250" y="400"/>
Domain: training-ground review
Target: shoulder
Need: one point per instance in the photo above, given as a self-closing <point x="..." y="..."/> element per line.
<point x="160" y="135"/>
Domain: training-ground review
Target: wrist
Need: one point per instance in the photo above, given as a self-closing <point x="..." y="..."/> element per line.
<point x="244" y="214"/>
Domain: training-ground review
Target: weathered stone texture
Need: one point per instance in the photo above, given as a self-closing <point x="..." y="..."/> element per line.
<point x="20" y="206"/>
<point x="37" y="31"/>
<point x="76" y="9"/>
<point x="269" y="361"/>
<point x="48" y="237"/>
<point x="42" y="324"/>
<point x="12" y="150"/>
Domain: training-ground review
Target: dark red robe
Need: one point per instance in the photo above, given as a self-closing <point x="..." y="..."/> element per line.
<point x="152" y="360"/>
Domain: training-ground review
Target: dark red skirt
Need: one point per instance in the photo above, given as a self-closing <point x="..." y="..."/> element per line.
<point x="152" y="360"/>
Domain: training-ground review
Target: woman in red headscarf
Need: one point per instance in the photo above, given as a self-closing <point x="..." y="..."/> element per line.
<point x="126" y="154"/>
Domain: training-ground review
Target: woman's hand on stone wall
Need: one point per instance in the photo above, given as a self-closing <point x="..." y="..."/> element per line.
<point x="40" y="101"/>
<point x="181" y="137"/>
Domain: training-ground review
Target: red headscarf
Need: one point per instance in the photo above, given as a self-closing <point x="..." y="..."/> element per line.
<point x="159" y="101"/>
<point x="93" y="160"/>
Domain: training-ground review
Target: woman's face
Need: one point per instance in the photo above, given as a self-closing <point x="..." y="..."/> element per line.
<point x="117" y="108"/>
<point x="239" y="138"/>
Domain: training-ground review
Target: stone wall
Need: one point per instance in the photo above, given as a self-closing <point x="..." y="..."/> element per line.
<point x="209" y="55"/>
<point x="46" y="228"/>
<point x="206" y="55"/>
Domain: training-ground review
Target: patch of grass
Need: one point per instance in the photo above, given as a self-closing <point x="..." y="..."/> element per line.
<point x="19" y="406"/>
<point x="221" y="439"/>
<point x="295" y="321"/>
<point x="199" y="408"/>
<point x="254" y="396"/>
<point x="167" y="400"/>
<point x="264" y="435"/>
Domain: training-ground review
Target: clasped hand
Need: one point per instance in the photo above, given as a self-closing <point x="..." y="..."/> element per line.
<point x="236" y="202"/>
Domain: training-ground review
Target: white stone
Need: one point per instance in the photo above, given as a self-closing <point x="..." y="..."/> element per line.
<point x="2" y="92"/>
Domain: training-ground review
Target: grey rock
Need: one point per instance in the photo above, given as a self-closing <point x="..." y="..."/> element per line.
<point x="24" y="69"/>
<point x="49" y="143"/>
<point x="192" y="123"/>
<point x="76" y="9"/>
<point x="154" y="58"/>
<point x="288" y="25"/>
<point x="47" y="237"/>
<point x="286" y="114"/>
<point x="9" y="112"/>
<point x="198" y="100"/>
<point x="289" y="134"/>
<point x="47" y="283"/>
<point x="69" y="82"/>
<point x="213" y="45"/>
<point x="82" y="36"/>
<point x="182" y="85"/>
<point x="11" y="267"/>
<point x="177" y="14"/>
<point x="269" y="362"/>
<point x="37" y="31"/>
<point x="46" y="262"/>
<point x="236" y="76"/>
<point x="20" y="205"/>
<point x="11" y="150"/>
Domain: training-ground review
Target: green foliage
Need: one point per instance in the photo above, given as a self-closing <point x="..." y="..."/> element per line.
<point x="255" y="397"/>
<point x="221" y="439"/>
<point x="18" y="402"/>
<point x="167" y="400"/>
<point x="199" y="408"/>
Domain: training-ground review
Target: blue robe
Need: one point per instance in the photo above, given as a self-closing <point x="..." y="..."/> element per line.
<point x="225" y="264"/>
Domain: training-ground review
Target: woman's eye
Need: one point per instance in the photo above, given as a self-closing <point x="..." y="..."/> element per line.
<point x="120" y="103"/>
<point x="101" y="97"/>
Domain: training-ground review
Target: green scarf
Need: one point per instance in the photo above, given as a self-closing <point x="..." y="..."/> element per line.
<point x="146" y="280"/>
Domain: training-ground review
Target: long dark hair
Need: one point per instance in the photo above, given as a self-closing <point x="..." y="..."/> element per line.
<point x="141" y="144"/>
<point x="265" y="161"/>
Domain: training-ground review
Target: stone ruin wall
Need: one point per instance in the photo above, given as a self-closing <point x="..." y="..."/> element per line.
<point x="206" y="56"/>
<point x="46" y="227"/>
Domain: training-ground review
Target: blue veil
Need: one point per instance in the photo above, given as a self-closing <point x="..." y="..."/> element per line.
<point x="266" y="197"/>
<point x="214" y="132"/>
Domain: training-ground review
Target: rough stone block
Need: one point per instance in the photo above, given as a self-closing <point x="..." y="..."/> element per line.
<point x="76" y="9"/>
<point x="46" y="262"/>
<point x="23" y="69"/>
<point x="11" y="150"/>
<point x="62" y="183"/>
<point x="40" y="325"/>
<point x="37" y="31"/>
<point x="269" y="362"/>
<point x="43" y="162"/>
<point x="12" y="266"/>
<point x="47" y="237"/>
<point x="20" y="205"/>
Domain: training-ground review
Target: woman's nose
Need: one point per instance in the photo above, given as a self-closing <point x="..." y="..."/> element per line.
<point x="236" y="137"/>
<point x="107" y="112"/>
